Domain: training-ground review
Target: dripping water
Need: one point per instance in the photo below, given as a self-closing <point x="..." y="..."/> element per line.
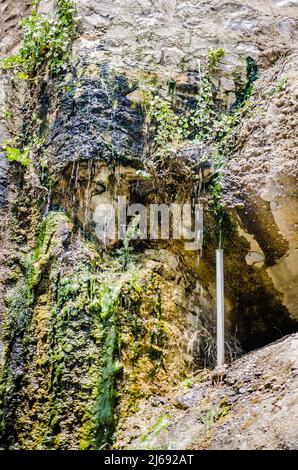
<point x="87" y="195"/>
<point x="47" y="209"/>
<point x="72" y="176"/>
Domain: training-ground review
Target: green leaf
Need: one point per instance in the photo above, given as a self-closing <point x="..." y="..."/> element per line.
<point x="14" y="154"/>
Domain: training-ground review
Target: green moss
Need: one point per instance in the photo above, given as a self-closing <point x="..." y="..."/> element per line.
<point x="161" y="423"/>
<point x="109" y="367"/>
<point x="75" y="328"/>
<point x="46" y="242"/>
<point x="244" y="92"/>
<point x="212" y="416"/>
<point x="15" y="323"/>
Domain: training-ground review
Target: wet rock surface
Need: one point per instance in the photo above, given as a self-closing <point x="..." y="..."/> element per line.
<point x="96" y="120"/>
<point x="262" y="175"/>
<point x="71" y="379"/>
<point x="3" y="181"/>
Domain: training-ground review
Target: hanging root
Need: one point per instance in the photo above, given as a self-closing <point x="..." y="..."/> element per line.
<point x="178" y="173"/>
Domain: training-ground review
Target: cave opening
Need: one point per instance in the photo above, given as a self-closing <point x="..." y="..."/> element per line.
<point x="261" y="321"/>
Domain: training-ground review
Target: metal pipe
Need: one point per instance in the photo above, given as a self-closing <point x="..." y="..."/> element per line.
<point x="220" y="323"/>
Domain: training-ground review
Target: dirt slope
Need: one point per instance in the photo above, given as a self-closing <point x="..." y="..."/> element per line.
<point x="253" y="404"/>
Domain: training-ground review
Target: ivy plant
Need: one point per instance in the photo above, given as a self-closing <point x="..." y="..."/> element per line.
<point x="15" y="155"/>
<point x="206" y="123"/>
<point x="171" y="129"/>
<point x="46" y="42"/>
<point x="45" y="49"/>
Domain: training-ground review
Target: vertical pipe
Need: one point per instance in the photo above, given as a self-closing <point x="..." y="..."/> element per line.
<point x="220" y="325"/>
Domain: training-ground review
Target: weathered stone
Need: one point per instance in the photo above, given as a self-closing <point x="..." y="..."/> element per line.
<point x="227" y="84"/>
<point x="287" y="27"/>
<point x="68" y="327"/>
<point x="243" y="25"/>
<point x="220" y="417"/>
<point x="255" y="259"/>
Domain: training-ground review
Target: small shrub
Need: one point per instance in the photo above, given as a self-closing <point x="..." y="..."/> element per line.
<point x="202" y="347"/>
<point x="46" y="42"/>
<point x="214" y="57"/>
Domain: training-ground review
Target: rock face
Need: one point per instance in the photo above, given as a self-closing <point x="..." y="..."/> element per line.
<point x="11" y="14"/>
<point x="263" y="176"/>
<point x="249" y="405"/>
<point x="92" y="331"/>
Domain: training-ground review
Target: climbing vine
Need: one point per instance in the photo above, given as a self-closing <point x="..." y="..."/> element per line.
<point x="46" y="42"/>
<point x="172" y="130"/>
<point x="45" y="50"/>
<point x="208" y="125"/>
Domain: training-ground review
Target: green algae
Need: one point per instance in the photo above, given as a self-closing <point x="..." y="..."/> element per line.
<point x="66" y="346"/>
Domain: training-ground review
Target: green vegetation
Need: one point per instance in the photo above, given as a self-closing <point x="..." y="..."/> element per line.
<point x="187" y="383"/>
<point x="214" y="57"/>
<point x="16" y="155"/>
<point x="207" y="124"/>
<point x="125" y="254"/>
<point x="225" y="138"/>
<point x="73" y="327"/>
<point x="199" y="124"/>
<point x="160" y="425"/>
<point x="18" y="149"/>
<point x="7" y="115"/>
<point x="158" y="334"/>
<point x="171" y="129"/>
<point x="204" y="118"/>
<point x="279" y="87"/>
<point x="214" y="415"/>
<point x="109" y="365"/>
<point x="45" y="49"/>
<point x="244" y="92"/>
<point x="46" y="43"/>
